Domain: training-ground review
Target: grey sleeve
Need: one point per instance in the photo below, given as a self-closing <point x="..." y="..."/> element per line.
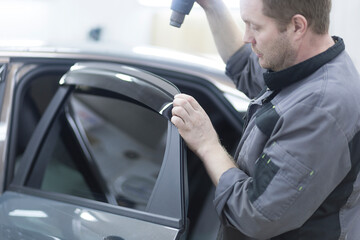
<point x="297" y="171"/>
<point x="243" y="68"/>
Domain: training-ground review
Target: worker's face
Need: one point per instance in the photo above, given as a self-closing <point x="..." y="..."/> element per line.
<point x="274" y="48"/>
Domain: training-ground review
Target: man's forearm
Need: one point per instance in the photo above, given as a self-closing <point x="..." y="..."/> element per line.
<point x="216" y="161"/>
<point x="227" y="34"/>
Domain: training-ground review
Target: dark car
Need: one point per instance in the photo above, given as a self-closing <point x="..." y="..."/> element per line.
<point x="88" y="151"/>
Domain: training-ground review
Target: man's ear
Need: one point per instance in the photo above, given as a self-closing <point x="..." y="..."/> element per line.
<point x="299" y="25"/>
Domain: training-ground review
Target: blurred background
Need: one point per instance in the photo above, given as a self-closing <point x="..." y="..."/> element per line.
<point x="116" y="25"/>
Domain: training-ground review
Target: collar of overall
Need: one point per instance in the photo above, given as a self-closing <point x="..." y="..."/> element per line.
<point x="276" y="81"/>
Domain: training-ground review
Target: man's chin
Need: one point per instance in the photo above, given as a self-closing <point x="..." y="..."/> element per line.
<point x="264" y="65"/>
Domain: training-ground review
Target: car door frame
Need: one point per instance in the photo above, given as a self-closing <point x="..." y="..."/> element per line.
<point x="173" y="213"/>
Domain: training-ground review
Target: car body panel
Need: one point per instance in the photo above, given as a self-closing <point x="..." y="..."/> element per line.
<point x="30" y="217"/>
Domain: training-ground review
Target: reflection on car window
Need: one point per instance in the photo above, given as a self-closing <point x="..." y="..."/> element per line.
<point x="102" y="148"/>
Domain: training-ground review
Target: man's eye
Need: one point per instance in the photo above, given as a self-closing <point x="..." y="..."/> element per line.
<point x="255" y="27"/>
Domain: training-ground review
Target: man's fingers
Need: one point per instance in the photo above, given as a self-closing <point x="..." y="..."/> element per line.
<point x="177" y="121"/>
<point x="180" y="112"/>
<point x="189" y="100"/>
<point x="182" y="108"/>
<point x="188" y="110"/>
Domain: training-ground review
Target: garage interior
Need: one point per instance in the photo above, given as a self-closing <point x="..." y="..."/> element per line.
<point x="100" y="24"/>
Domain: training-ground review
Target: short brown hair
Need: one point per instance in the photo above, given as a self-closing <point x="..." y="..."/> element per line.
<point x="316" y="12"/>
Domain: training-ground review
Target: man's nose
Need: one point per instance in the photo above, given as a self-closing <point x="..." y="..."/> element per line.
<point x="248" y="37"/>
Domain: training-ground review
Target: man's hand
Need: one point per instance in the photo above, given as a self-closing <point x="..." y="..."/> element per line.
<point x="194" y="124"/>
<point x="195" y="127"/>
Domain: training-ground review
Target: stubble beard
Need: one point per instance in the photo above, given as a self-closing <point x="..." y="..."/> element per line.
<point x="279" y="56"/>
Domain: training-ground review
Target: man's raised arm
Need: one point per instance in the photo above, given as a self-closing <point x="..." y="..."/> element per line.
<point x="225" y="31"/>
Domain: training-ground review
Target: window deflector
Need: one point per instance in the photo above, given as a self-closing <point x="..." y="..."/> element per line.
<point x="154" y="92"/>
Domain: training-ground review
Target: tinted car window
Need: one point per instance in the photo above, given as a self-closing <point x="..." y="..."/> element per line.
<point x="102" y="148"/>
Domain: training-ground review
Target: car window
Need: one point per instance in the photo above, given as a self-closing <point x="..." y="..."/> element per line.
<point x="102" y="148"/>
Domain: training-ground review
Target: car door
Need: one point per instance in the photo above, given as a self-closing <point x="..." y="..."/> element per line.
<point x="104" y="162"/>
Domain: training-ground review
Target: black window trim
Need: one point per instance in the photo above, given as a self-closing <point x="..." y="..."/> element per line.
<point x="39" y="134"/>
<point x="19" y="96"/>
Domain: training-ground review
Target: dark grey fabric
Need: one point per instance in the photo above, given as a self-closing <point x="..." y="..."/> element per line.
<point x="308" y="132"/>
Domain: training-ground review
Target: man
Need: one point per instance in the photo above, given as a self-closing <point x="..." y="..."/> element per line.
<point x="295" y="174"/>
